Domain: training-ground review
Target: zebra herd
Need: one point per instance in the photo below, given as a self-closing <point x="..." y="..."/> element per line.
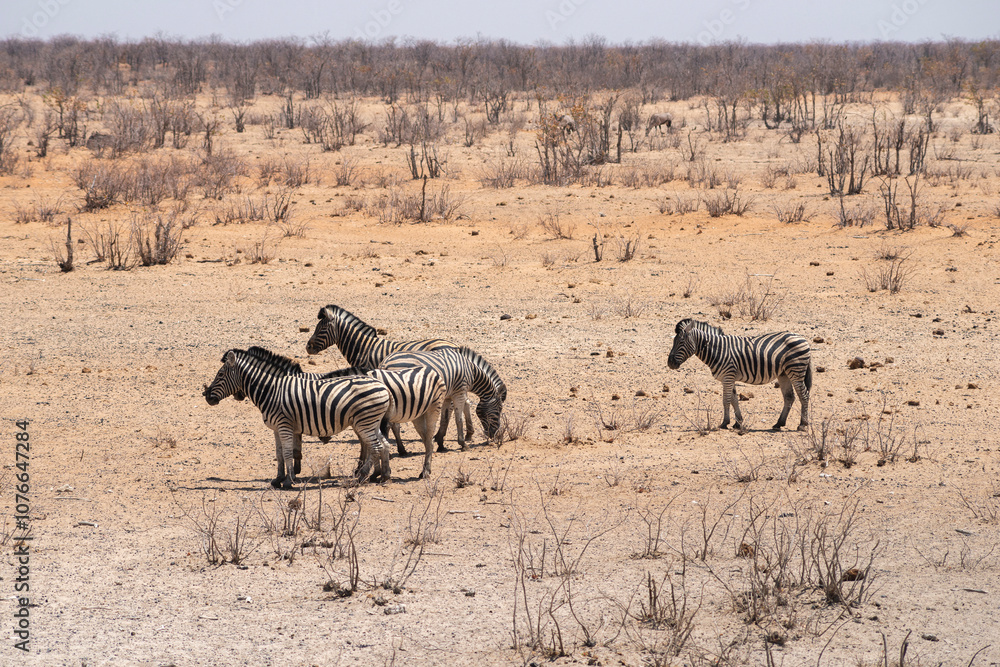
<point x="387" y="383"/>
<point x="390" y="382"/>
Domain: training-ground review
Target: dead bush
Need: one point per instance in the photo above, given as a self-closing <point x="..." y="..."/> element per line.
<point x="156" y="241"/>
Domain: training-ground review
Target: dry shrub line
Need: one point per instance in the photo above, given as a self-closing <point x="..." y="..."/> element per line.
<point x="421" y="529"/>
<point x="654" y="541"/>
<point x="753" y="299"/>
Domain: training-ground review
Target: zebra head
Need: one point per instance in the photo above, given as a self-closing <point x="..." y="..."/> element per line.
<point x="228" y="381"/>
<point x="684" y="344"/>
<point x="488" y="412"/>
<point x="337" y="325"/>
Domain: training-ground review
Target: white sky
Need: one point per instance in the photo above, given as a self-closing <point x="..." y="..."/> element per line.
<point x="522" y="21"/>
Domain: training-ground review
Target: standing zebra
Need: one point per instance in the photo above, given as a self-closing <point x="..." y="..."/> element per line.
<point x="463" y="371"/>
<point x="776" y="356"/>
<point x="417" y="394"/>
<point x="358" y="341"/>
<point x="294" y="404"/>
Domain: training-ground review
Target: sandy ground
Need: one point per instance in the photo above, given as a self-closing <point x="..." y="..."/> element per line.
<point x="128" y="463"/>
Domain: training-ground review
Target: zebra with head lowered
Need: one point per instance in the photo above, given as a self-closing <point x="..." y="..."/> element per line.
<point x="358" y="341"/>
<point x="464" y="371"/>
<point x="418" y="395"/>
<point x="755" y="360"/>
<point x="293" y="404"/>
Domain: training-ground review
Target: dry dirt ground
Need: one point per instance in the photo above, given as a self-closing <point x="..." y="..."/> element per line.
<point x="617" y="529"/>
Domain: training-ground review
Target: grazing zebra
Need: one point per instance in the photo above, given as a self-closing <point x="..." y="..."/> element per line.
<point x="358" y="341"/>
<point x="293" y="404"/>
<point x="776" y="356"/>
<point x="418" y="394"/>
<point x="463" y="371"/>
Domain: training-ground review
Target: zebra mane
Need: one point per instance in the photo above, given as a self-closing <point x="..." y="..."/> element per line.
<point x="276" y="363"/>
<point x="688" y="323"/>
<point x="346" y="317"/>
<point x="490" y="372"/>
<point x="343" y="372"/>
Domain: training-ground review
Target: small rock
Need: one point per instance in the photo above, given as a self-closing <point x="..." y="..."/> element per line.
<point x="859" y="389"/>
<point x="85" y="370"/>
<point x="688" y="390"/>
<point x="929" y="637"/>
<point x="665" y="389"/>
<point x="505" y="317"/>
<point x="939" y="332"/>
<point x="913" y="403"/>
<point x="571" y="285"/>
<point x="531" y="316"/>
<point x="818" y="339"/>
<point x="382" y="332"/>
<point x="470" y="593"/>
<point x="813" y="263"/>
<point x="890" y="360"/>
<point x="610" y="353"/>
<point x="420" y="252"/>
<point x="829" y="273"/>
<point x="854" y="574"/>
<point x="821" y="369"/>
<point x="641" y="393"/>
<point x="474" y="232"/>
<point x="856" y="363"/>
<point x="376" y="285"/>
<point x="395" y="609"/>
<point x="615" y="397"/>
<point x="747" y="396"/>
<point x="973" y="385"/>
<point x="303" y="329"/>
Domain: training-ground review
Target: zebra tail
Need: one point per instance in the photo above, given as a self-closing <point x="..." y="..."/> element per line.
<point x="809" y="376"/>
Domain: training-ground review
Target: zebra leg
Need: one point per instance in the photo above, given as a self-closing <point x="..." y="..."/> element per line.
<point x="470" y="428"/>
<point x="803" y="391"/>
<point x="423" y="426"/>
<point x="789" y="396"/>
<point x="734" y="399"/>
<point x="399" y="440"/>
<point x="298" y="452"/>
<point x="276" y="482"/>
<point x="459" y="402"/>
<point x="383" y="455"/>
<point x="443" y="430"/>
<point x="286" y="463"/>
<point x="727" y="394"/>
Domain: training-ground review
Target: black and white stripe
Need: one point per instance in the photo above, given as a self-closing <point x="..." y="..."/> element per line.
<point x="464" y="371"/>
<point x="293" y="404"/>
<point x="758" y="360"/>
<point x="361" y="346"/>
<point x="418" y="395"/>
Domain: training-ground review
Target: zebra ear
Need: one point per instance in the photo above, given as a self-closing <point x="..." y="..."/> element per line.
<point x="230" y="358"/>
<point x="321" y="311"/>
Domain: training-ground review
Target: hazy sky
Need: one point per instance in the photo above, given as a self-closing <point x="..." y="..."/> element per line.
<point x="523" y="21"/>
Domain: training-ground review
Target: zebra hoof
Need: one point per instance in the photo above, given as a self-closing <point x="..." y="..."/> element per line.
<point x="442" y="448"/>
<point x="724" y="425"/>
<point x="276" y="482"/>
<point x="803" y="427"/>
<point x="298" y="467"/>
<point x="401" y="452"/>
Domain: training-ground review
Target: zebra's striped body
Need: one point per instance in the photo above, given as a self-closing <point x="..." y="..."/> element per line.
<point x="464" y="371"/>
<point x="758" y="360"/>
<point x="418" y="395"/>
<point x="358" y="341"/>
<point x="293" y="404"/>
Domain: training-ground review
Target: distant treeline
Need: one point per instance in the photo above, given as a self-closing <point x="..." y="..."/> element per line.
<point x="418" y="71"/>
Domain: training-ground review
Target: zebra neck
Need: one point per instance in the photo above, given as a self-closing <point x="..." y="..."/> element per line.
<point x="364" y="351"/>
<point x="258" y="386"/>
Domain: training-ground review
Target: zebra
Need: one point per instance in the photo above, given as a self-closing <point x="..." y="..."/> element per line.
<point x="358" y="341"/>
<point x="463" y="370"/>
<point x="776" y="356"/>
<point x="293" y="404"/>
<point x="418" y="395"/>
